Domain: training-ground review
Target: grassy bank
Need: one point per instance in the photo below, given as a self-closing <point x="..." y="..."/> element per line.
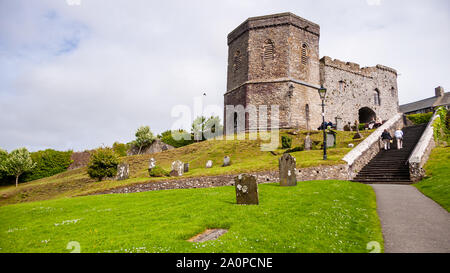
<point x="319" y="216"/>
<point x="246" y="156"/>
<point x="436" y="184"/>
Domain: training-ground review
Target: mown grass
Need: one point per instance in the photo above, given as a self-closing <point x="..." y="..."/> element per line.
<point x="436" y="184"/>
<point x="318" y="216"/>
<point x="246" y="156"/>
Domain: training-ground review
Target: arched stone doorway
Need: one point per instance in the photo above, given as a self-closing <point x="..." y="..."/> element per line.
<point x="366" y="115"/>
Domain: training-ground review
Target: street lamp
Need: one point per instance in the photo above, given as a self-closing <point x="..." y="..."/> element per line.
<point x="322" y="94"/>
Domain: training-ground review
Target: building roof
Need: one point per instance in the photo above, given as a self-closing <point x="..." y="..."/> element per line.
<point x="435" y="101"/>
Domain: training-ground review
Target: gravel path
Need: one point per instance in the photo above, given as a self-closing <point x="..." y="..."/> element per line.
<point x="410" y="221"/>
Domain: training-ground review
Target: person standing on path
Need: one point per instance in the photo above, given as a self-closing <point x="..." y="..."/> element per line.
<point x="399" y="137"/>
<point x="386" y="137"/>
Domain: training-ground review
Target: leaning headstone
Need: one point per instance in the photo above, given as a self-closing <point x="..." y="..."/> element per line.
<point x="287" y="169"/>
<point x="209" y="164"/>
<point x="331" y="140"/>
<point x="177" y="168"/>
<point x="123" y="171"/>
<point x="151" y="164"/>
<point x="226" y="161"/>
<point x="246" y="189"/>
<point x="308" y="143"/>
<point x="186" y="167"/>
<point x="339" y="124"/>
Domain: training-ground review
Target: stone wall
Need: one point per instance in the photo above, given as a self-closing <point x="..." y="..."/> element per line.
<point x="369" y="148"/>
<point x="351" y="88"/>
<point x="422" y="152"/>
<point x="80" y="159"/>
<point x="305" y="174"/>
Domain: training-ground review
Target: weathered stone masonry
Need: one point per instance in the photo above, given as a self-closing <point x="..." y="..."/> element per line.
<point x="274" y="60"/>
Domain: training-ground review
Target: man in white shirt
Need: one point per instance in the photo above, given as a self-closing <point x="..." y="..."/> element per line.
<point x="399" y="136"/>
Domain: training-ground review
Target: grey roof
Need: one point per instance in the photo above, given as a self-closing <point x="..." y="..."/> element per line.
<point x="426" y="103"/>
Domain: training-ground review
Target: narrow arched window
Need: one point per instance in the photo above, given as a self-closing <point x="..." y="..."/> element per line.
<point x="393" y="91"/>
<point x="341" y="86"/>
<point x="237" y="61"/>
<point x="307" y="112"/>
<point x="269" y="50"/>
<point x="305" y="54"/>
<point x="376" y="97"/>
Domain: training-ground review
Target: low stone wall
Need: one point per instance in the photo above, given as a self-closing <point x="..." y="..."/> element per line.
<point x="369" y="148"/>
<point x="331" y="172"/>
<point x="422" y="151"/>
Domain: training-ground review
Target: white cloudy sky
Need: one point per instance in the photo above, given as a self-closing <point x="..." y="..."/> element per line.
<point x="77" y="77"/>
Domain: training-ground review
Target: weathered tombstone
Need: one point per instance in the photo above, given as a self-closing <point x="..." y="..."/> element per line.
<point x="151" y="164"/>
<point x="123" y="171"/>
<point x="308" y="143"/>
<point x="331" y="139"/>
<point x="186" y="167"/>
<point x="288" y="176"/>
<point x="339" y="124"/>
<point x="246" y="189"/>
<point x="209" y="164"/>
<point x="226" y="161"/>
<point x="177" y="168"/>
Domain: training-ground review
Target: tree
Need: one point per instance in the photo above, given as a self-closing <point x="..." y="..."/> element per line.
<point x="103" y="163"/>
<point x="17" y="162"/>
<point x="203" y="128"/>
<point x="120" y="148"/>
<point x="176" y="138"/>
<point x="144" y="137"/>
<point x="3" y="156"/>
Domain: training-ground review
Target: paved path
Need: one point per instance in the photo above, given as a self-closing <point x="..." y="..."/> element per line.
<point x="410" y="221"/>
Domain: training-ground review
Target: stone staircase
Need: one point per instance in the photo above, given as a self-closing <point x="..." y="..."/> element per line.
<point x="391" y="167"/>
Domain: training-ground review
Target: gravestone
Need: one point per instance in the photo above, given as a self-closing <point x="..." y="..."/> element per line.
<point x="123" y="171"/>
<point x="246" y="189"/>
<point x="151" y="164"/>
<point x="339" y="124"/>
<point x="288" y="176"/>
<point x="331" y="139"/>
<point x="226" y="161"/>
<point x="308" y="143"/>
<point x="186" y="167"/>
<point x="209" y="164"/>
<point x="177" y="168"/>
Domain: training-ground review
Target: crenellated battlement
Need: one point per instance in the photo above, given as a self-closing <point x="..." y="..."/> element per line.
<point x="354" y="67"/>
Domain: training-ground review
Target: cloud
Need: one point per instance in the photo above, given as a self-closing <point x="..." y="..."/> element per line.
<point x="78" y="76"/>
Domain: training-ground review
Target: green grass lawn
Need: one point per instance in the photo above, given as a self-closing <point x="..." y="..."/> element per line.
<point x="437" y="183"/>
<point x="318" y="216"/>
<point x="246" y="156"/>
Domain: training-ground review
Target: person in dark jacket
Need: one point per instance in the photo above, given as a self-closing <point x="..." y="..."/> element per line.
<point x="386" y="137"/>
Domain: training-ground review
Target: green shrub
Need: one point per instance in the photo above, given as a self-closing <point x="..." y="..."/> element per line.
<point x="420" y="118"/>
<point x="286" y="142"/>
<point x="157" y="171"/>
<point x="120" y="148"/>
<point x="441" y="130"/>
<point x="48" y="163"/>
<point x="177" y="139"/>
<point x="103" y="164"/>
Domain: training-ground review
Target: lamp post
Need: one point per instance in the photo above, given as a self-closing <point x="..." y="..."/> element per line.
<point x="322" y="94"/>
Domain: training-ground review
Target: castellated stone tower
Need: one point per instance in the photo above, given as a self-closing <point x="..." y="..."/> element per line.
<point x="274" y="60"/>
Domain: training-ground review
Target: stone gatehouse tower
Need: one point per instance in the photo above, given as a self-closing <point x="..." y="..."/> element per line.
<point x="274" y="60"/>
